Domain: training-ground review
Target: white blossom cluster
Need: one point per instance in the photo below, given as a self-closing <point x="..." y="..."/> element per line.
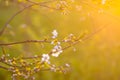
<point x="55" y="34"/>
<point x="45" y="58"/>
<point x="57" y="50"/>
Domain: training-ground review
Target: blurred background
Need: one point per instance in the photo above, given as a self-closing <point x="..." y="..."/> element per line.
<point x="95" y="59"/>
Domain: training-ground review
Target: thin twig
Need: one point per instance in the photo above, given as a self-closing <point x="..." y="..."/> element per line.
<point x="86" y="38"/>
<point x="43" y="5"/>
<point x="32" y="57"/>
<point x="11" y="18"/>
<point x="3" y="67"/>
<point x="42" y="2"/>
<point x="24" y="42"/>
<point x="14" y="15"/>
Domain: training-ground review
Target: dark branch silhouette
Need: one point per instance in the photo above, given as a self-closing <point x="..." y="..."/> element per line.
<point x="20" y="11"/>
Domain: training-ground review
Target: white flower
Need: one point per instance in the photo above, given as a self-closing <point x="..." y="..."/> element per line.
<point x="56" y="54"/>
<point x="53" y="68"/>
<point x="57" y="50"/>
<point x="58" y="47"/>
<point x="53" y="42"/>
<point x="55" y="34"/>
<point x="58" y="43"/>
<point x="67" y="65"/>
<point x="45" y="58"/>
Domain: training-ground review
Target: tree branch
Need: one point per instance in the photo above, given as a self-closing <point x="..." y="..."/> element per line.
<point x="3" y="67"/>
<point x="11" y="18"/>
<point x="14" y="15"/>
<point x="75" y="43"/>
<point x="24" y="42"/>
